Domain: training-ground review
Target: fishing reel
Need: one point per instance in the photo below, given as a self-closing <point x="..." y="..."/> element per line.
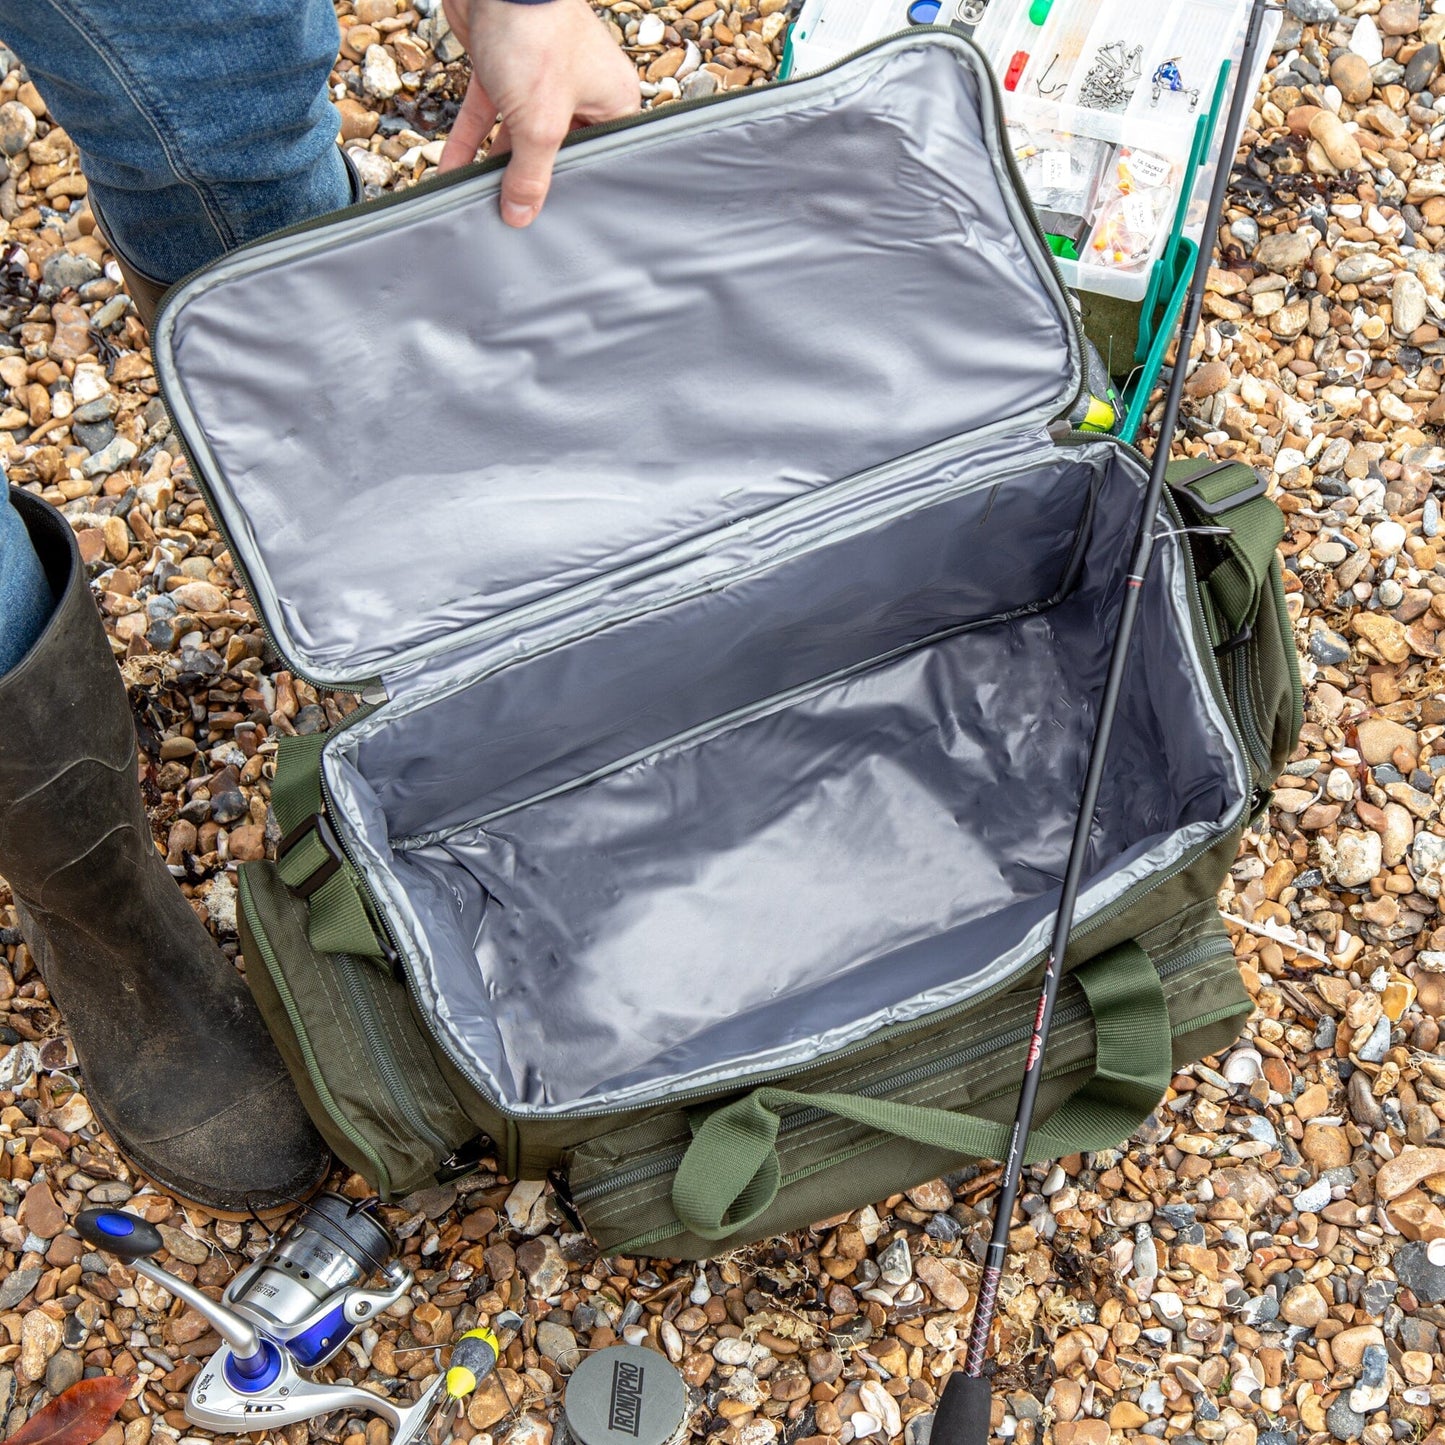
<point x="281" y="1317"/>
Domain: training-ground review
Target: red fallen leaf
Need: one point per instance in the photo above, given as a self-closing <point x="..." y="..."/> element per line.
<point x="79" y="1416"/>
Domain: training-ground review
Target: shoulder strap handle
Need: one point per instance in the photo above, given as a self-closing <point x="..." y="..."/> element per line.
<point x="309" y="859"/>
<point x="731" y="1172"/>
<point x="1231" y="494"/>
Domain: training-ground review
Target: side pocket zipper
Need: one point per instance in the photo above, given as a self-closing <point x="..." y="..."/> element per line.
<point x="363" y="1007"/>
<point x="1244" y="710"/>
<point x="666" y="1160"/>
<point x="381" y="1175"/>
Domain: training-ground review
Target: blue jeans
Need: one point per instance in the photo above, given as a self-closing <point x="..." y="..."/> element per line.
<point x="25" y="601"/>
<point x="201" y="125"/>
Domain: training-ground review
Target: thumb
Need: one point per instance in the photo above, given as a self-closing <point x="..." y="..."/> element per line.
<point x="529" y="172"/>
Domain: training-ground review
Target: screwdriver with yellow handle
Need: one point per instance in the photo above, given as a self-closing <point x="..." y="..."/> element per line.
<point x="474" y="1357"/>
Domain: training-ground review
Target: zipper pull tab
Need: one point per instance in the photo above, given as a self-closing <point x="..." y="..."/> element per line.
<point x="463" y="1159"/>
<point x="562" y="1193"/>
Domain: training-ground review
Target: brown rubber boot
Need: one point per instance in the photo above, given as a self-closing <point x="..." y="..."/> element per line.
<point x="178" y="1065"/>
<point x="145" y="292"/>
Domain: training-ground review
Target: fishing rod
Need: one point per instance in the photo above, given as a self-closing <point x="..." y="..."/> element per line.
<point x="964" y="1412"/>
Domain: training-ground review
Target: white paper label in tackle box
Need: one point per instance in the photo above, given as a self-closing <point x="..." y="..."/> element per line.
<point x="1149" y="170"/>
<point x="1141" y="213"/>
<point x="1054" y="170"/>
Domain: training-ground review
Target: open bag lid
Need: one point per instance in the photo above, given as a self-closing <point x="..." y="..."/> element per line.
<point x="412" y="420"/>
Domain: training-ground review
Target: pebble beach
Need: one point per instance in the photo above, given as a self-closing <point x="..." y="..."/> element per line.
<point x="1262" y="1264"/>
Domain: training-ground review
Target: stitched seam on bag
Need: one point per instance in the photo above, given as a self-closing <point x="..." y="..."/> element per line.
<point x="959" y="1085"/>
<point x="431" y="1086"/>
<point x="863" y="1140"/>
<point x="399" y="1036"/>
<point x="874" y="1071"/>
<point x="1194" y="933"/>
<point x="866" y="1142"/>
<point x="1191" y="924"/>
<point x="927" y="1094"/>
<point x="952" y="1083"/>
<point x="362" y="1078"/>
<point x="830" y="1127"/>
<point x="1253" y="685"/>
<point x="401" y="1044"/>
<point x="879" y="1140"/>
<point x="878" y="1070"/>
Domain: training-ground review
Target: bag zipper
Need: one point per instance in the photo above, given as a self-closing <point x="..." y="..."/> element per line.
<point x="1244" y="706"/>
<point x="298" y="1028"/>
<point x="363" y="1008"/>
<point x="1291" y="653"/>
<point x="666" y="1161"/>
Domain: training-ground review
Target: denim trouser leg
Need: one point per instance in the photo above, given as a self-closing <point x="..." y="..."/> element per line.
<point x="202" y="124"/>
<point x="25" y="599"/>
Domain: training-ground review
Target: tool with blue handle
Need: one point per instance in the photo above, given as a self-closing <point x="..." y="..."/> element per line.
<point x="290" y="1311"/>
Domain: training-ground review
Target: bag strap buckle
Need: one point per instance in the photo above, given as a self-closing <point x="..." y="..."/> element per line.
<point x="1200" y="503"/>
<point x="1233" y="644"/>
<point x="325" y="871"/>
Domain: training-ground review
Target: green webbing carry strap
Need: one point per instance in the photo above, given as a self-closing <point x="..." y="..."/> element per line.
<point x="1231" y="494"/>
<point x="731" y="1172"/>
<point x="309" y="859"/>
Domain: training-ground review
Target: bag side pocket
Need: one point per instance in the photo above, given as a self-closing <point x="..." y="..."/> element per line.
<point x="360" y="1060"/>
<point x="821" y="1162"/>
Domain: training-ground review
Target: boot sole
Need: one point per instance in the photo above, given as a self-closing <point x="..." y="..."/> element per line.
<point x="272" y="1214"/>
<point x="267" y="1214"/>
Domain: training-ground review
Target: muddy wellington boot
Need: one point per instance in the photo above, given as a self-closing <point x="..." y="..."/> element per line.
<point x="178" y="1065"/>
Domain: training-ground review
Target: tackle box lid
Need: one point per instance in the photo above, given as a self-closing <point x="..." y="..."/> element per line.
<point x="412" y="421"/>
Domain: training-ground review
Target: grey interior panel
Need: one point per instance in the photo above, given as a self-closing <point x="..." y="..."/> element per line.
<point x="803" y="864"/>
<point x="749" y="302"/>
<point x="739" y="638"/>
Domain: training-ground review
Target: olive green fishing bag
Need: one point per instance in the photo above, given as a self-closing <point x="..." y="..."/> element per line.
<point x="729" y="622"/>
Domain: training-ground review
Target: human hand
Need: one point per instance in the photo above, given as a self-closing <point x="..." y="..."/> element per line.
<point x="542" y="69"/>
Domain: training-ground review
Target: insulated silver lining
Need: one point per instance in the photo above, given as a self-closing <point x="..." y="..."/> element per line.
<point x="741" y="633"/>
<point x="715" y="313"/>
<point x="805" y="868"/>
<point x="806" y="762"/>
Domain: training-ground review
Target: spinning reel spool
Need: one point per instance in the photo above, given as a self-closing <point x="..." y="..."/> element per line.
<point x="289" y="1312"/>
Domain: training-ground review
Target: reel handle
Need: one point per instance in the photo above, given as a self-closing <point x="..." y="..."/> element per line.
<point x="135" y="1240"/>
<point x="124" y="1235"/>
